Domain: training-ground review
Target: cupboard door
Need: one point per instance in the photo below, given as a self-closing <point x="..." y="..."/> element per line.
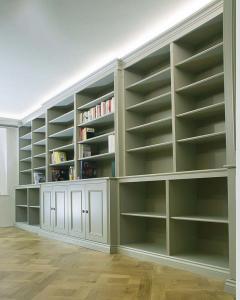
<point x="96" y="212"/>
<point x="46" y="202"/>
<point x="76" y="210"/>
<point x="60" y="209"/>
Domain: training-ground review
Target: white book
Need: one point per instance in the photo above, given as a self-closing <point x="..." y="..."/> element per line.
<point x="111" y="143"/>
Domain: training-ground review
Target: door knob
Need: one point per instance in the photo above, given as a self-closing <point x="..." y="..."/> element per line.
<point x="83" y="211"/>
<point x="86" y="211"/>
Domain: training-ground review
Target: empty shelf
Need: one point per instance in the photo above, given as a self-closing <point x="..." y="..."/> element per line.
<point x="203" y="60"/>
<point x="151" y="148"/>
<point x="99" y="156"/>
<point x="21" y="205"/>
<point x="27" y="136"/>
<point x="162" y="123"/>
<point x="26" y="171"/>
<point x="40" y="155"/>
<point x="40" y="143"/>
<point x="64" y="147"/>
<point x="65" y="133"/>
<point x="34" y="206"/>
<point x="151" y="82"/>
<point x="65" y="118"/>
<point x="202" y="219"/>
<point x="26" y="159"/>
<point x="152" y="104"/>
<point x="97" y="139"/>
<point x="148" y="247"/>
<point x="63" y="163"/>
<point x="105" y="119"/>
<point x="204" y="138"/>
<point x="206" y="111"/>
<point x="96" y="101"/>
<point x="145" y="215"/>
<point x="204" y="87"/>
<point x="40" y="129"/>
<point x="27" y="148"/>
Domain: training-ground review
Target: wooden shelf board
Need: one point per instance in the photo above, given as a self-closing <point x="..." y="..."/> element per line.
<point x="204" y="59"/>
<point x="40" y="143"/>
<point x="166" y="122"/>
<point x="196" y="218"/>
<point x="96" y="101"/>
<point x="26" y="171"/>
<point x="21" y="205"/>
<point x="63" y="163"/>
<point x="40" y="168"/>
<point x="41" y="129"/>
<point x="102" y="156"/>
<point x="145" y="215"/>
<point x="148" y="247"/>
<point x="204" y="138"/>
<point x="26" y="148"/>
<point x="151" y="82"/>
<point x="152" y="104"/>
<point x="204" y="86"/>
<point x="65" y="147"/>
<point x="97" y="139"/>
<point x="26" y="159"/>
<point x="207" y="259"/>
<point x="27" y="136"/>
<point x="206" y="111"/>
<point x="34" y="206"/>
<point x="103" y="120"/>
<point x="68" y="132"/>
<point x="151" y="148"/>
<point x="64" y="118"/>
<point x="40" y="155"/>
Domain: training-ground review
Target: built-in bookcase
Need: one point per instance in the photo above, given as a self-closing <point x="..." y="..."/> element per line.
<point x="175" y="216"/>
<point x="28" y="205"/>
<point x="95" y="113"/>
<point x="60" y="133"/>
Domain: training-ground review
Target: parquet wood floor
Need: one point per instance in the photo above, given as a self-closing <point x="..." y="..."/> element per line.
<point x="32" y="267"/>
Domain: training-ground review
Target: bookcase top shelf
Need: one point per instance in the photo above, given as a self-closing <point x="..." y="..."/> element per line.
<point x="96" y="101"/>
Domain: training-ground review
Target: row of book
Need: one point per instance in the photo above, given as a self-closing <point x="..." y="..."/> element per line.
<point x="86" y="150"/>
<point x="101" y="109"/>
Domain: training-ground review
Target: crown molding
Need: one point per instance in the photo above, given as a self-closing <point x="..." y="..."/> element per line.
<point x="8" y="122"/>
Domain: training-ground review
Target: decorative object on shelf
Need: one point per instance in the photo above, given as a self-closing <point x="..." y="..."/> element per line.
<point x="88" y="169"/>
<point x="60" y="174"/>
<point x="86" y="133"/>
<point x="58" y="157"/>
<point x="71" y="173"/>
<point x="38" y="177"/>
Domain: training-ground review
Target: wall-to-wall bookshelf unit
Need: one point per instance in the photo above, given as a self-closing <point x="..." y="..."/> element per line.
<point x="170" y="118"/>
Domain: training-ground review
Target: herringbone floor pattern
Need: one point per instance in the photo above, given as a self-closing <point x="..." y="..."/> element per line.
<point x="36" y="268"/>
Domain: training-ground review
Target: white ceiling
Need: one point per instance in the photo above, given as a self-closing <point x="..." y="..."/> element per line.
<point x="48" y="45"/>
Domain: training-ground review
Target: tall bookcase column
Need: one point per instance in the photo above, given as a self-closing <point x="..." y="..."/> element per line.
<point x="199" y="98"/>
<point x="229" y="37"/>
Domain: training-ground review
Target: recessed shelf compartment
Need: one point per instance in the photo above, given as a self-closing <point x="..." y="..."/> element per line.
<point x="40" y="143"/>
<point x="26" y="148"/>
<point x="102" y="156"/>
<point x="41" y="129"/>
<point x="155" y="125"/>
<point x="65" y="133"/>
<point x="26" y="159"/>
<point x="63" y="148"/>
<point x="27" y="136"/>
<point x="40" y="155"/>
<point x="64" y="118"/>
<point x="97" y="139"/>
<point x="200" y="242"/>
<point x="151" y="148"/>
<point x="210" y="137"/>
<point x="101" y="121"/>
<point x="201" y="200"/>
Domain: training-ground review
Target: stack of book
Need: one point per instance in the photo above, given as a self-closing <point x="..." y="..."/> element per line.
<point x="86" y="133"/>
<point x="101" y="109"/>
<point x="58" y="157"/>
<point x="84" y="150"/>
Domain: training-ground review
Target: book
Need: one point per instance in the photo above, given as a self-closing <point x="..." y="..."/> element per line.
<point x="87" y="170"/>
<point x="111" y="143"/>
<point x="103" y="108"/>
<point x="84" y="150"/>
<point x="58" y="156"/>
<point x="86" y="133"/>
<point x="98" y="111"/>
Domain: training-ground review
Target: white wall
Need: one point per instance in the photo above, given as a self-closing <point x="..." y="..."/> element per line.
<point x="7" y="206"/>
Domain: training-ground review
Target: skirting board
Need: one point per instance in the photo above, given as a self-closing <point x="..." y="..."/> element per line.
<point x="174" y="262"/>
<point x="68" y="239"/>
<point x="230" y="286"/>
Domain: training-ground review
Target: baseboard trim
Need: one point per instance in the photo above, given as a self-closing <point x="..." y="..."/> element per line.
<point x="31" y="228"/>
<point x="174" y="262"/>
<point x="230" y="286"/>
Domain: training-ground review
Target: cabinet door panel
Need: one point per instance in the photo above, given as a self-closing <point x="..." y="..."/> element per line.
<point x="96" y="213"/>
<point x="46" y="200"/>
<point x="76" y="211"/>
<point x="60" y="206"/>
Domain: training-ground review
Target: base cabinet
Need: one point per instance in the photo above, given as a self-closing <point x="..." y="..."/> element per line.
<point x="79" y="210"/>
